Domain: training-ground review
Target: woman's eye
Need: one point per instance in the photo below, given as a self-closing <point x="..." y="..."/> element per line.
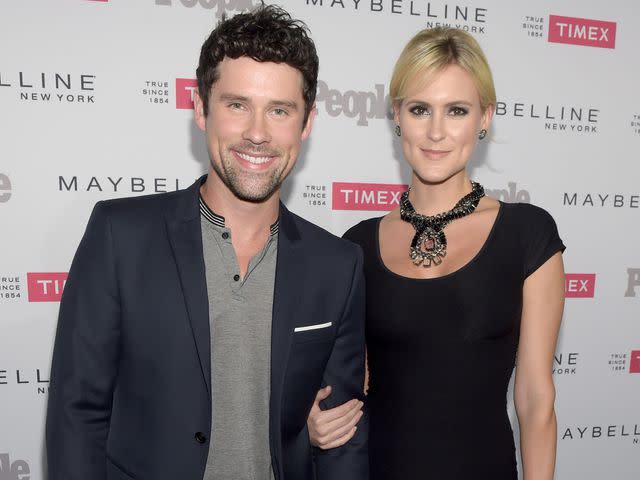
<point x="457" y="111"/>
<point x="419" y="110"/>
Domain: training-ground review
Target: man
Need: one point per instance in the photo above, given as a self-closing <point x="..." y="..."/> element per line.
<point x="197" y="326"/>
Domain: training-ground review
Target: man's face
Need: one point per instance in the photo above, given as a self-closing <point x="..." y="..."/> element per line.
<point x="255" y="125"/>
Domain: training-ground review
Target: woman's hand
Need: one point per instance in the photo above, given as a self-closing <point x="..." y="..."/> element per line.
<point x="334" y="427"/>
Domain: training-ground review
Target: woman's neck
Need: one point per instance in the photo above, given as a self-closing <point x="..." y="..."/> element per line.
<point x="431" y="199"/>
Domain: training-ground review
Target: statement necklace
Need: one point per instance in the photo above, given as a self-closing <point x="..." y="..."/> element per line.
<point x="429" y="244"/>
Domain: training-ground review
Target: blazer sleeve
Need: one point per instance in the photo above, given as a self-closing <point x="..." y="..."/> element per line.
<point x="345" y="374"/>
<point x="85" y="356"/>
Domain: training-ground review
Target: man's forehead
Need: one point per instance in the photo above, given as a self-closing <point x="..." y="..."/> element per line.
<point x="247" y="77"/>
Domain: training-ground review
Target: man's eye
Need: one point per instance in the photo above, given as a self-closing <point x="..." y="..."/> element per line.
<point x="280" y="112"/>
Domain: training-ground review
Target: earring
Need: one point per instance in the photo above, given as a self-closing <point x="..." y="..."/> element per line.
<point x="482" y="133"/>
<point x="398" y="132"/>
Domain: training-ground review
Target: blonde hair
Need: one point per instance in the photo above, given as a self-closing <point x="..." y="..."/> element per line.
<point x="433" y="49"/>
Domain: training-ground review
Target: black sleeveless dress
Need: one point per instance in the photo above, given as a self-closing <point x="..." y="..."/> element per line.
<point x="441" y="352"/>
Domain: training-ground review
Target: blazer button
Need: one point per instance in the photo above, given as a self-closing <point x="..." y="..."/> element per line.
<point x="200" y="437"/>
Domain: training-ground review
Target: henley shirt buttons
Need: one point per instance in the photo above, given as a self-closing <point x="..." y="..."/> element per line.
<point x="225" y="235"/>
<point x="236" y="277"/>
<point x="200" y="437"/>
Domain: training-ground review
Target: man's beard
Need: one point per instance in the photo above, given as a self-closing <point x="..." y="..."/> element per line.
<point x="254" y="187"/>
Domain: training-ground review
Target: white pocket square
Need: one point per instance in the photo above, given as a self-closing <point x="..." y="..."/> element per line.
<point x="312" y="327"/>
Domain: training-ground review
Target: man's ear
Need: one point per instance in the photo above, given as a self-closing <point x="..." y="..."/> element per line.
<point x="306" y="129"/>
<point x="199" y="113"/>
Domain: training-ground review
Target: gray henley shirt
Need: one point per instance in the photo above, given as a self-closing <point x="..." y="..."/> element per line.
<point x="240" y="311"/>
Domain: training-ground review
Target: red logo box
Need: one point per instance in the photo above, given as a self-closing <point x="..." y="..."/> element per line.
<point x="366" y="196"/>
<point x="46" y="287"/>
<point x="634" y="361"/>
<point x="579" y="285"/>
<point x="185" y="93"/>
<point x="582" y="31"/>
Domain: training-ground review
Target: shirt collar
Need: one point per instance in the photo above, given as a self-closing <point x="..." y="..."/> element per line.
<point x="218" y="220"/>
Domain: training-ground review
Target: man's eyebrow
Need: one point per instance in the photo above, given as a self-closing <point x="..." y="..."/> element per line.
<point x="285" y="103"/>
<point x="232" y="97"/>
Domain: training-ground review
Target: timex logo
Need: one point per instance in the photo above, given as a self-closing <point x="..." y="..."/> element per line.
<point x="579" y="285"/>
<point x="185" y="93"/>
<point x="46" y="287"/>
<point x="366" y="196"/>
<point x="582" y="31"/>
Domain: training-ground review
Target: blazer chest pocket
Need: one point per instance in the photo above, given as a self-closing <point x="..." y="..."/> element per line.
<point x="318" y="332"/>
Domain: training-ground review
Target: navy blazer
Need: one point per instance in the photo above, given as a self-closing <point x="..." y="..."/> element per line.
<point x="130" y="388"/>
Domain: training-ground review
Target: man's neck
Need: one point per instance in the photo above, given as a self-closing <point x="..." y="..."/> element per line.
<point x="247" y="220"/>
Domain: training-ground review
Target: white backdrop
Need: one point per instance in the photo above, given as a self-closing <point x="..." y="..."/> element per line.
<point x="94" y="104"/>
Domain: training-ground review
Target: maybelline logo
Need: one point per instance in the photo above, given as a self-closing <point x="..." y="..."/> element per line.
<point x="10" y="288"/>
<point x="633" y="281"/>
<point x="361" y="105"/>
<point x="186" y="89"/>
<point x="13" y="470"/>
<point x="117" y="184"/>
<point x="579" y="285"/>
<point x="156" y="92"/>
<point x="46" y="286"/>
<point x="584" y="432"/>
<point x="5" y="188"/>
<point x="582" y="31"/>
<point x="220" y="6"/>
<point x="565" y="363"/>
<point x="51" y="87"/>
<point x="470" y="19"/>
<point x="366" y="196"/>
<point x="563" y="118"/>
<point x="315" y="195"/>
<point x="37" y="378"/>
<point x="601" y="200"/>
<point x="510" y="195"/>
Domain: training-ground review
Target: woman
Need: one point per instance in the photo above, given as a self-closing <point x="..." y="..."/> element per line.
<point x="457" y="285"/>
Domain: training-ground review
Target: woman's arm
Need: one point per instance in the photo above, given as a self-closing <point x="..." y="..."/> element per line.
<point x="534" y="393"/>
<point x="333" y="427"/>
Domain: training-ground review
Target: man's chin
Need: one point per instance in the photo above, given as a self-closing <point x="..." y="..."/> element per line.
<point x="252" y="196"/>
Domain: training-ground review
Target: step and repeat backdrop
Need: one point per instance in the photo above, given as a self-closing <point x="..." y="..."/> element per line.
<point x="96" y="103"/>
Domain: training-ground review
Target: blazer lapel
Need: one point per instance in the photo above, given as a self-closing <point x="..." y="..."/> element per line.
<point x="287" y="295"/>
<point x="185" y="236"/>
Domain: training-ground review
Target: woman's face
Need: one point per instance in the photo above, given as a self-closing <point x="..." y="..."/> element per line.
<point x="440" y="121"/>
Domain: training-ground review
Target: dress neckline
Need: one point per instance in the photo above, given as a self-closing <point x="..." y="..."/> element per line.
<point x="466" y="266"/>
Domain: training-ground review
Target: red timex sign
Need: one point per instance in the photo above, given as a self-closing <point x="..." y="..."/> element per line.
<point x="582" y="31"/>
<point x="185" y="93"/>
<point x="634" y="361"/>
<point x="366" y="196"/>
<point x="579" y="285"/>
<point x="46" y="287"/>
